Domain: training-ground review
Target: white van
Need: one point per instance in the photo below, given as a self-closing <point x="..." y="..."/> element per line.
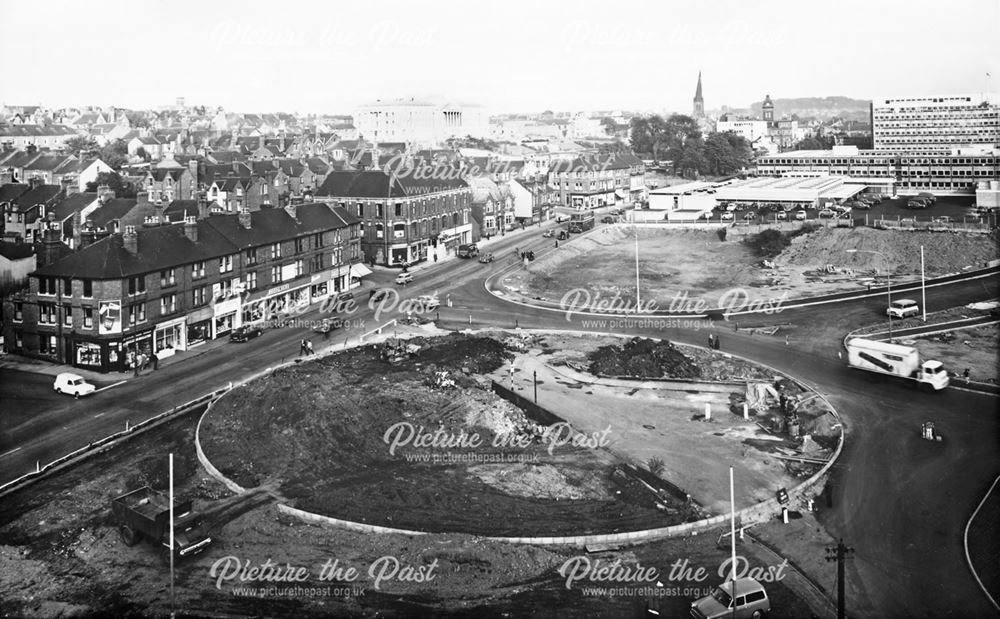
<point x="751" y="601"/>
<point x="72" y="384"/>
<point x="903" y="308"/>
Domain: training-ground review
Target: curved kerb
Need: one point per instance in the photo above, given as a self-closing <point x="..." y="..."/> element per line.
<point x="754" y="514"/>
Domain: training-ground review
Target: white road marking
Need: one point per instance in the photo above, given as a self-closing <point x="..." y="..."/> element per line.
<point x="10" y="452"/>
<point x="98" y="415"/>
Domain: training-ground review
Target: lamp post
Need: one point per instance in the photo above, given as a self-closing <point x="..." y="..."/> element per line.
<point x="888" y="279"/>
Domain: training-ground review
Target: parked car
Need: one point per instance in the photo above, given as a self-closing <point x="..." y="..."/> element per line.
<point x="782" y="216"/>
<point x="827" y="213"/>
<point x="943" y="219"/>
<point x="428" y="302"/>
<point x="918" y="203"/>
<point x="751" y="601"/>
<point x="800" y="215"/>
<point x="908" y="220"/>
<point x="931" y="198"/>
<point x="245" y="333"/>
<point x="749" y="215"/>
<point x="901" y="308"/>
<point x="484" y="258"/>
<point x="864" y="206"/>
<point x="727" y="216"/>
<point x="72" y="384"/>
<point x="404" y="278"/>
<point x="379" y="294"/>
<point x="608" y="219"/>
<point x="548" y="234"/>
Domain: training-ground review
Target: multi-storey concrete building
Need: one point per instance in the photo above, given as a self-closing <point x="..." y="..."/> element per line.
<point x="417" y="122"/>
<point x="957" y="172"/>
<point x="406" y="218"/>
<point x="935" y="123"/>
<point x="166" y="288"/>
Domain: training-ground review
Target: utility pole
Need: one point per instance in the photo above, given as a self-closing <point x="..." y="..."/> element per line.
<point x="534" y="380"/>
<point x="839" y="554"/>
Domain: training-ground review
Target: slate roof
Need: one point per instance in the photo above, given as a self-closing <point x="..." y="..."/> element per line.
<point x="164" y="247"/>
<point x="64" y="209"/>
<point x="177" y="209"/>
<point x="159" y="174"/>
<point x="12" y="191"/>
<point x="35" y="130"/>
<point x="47" y="163"/>
<point x="112" y="210"/>
<point x="41" y="194"/>
<point x="375" y="184"/>
<point x="16" y="251"/>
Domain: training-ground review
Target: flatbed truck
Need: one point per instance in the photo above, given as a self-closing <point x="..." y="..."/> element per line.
<point x="896" y="360"/>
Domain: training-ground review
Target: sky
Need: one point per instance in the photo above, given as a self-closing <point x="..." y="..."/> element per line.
<point x="510" y="56"/>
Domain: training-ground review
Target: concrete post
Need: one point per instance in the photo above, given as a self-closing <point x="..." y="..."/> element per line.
<point x="746" y="411"/>
<point x="784" y="514"/>
<point x="708" y="411"/>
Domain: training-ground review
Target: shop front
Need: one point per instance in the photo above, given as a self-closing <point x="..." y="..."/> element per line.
<point x="169" y="337"/>
<point x="199" y="327"/>
<point x="137" y="347"/>
<point x="226" y="317"/>
<point x="89" y="354"/>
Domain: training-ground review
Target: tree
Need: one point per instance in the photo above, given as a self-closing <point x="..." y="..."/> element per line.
<point x="610" y="126"/>
<point x="81" y="144"/>
<point x="115" y="154"/>
<point x="809" y="144"/>
<point x="115" y="182"/>
<point x="691" y="160"/>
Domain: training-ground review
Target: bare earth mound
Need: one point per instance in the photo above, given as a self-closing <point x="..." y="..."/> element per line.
<point x="317" y="432"/>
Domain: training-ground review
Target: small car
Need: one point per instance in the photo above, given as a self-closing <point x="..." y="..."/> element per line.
<point x="548" y="234"/>
<point x="608" y="219"/>
<point x="379" y="294"/>
<point x="864" y="206"/>
<point x="327" y="325"/>
<point x="782" y="216"/>
<point x="428" y="303"/>
<point x="727" y="216"/>
<point x="404" y="278"/>
<point x="902" y="308"/>
<point x="749" y="215"/>
<point x="72" y="384"/>
<point x="245" y="333"/>
<point x="751" y="601"/>
<point x="943" y="219"/>
<point x="800" y="215"/>
<point x="827" y="213"/>
<point x="484" y="258"/>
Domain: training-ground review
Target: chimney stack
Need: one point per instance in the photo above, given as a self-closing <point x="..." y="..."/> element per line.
<point x="244" y="218"/>
<point x="77" y="225"/>
<point x="193" y="169"/>
<point x="202" y="208"/>
<point x="49" y="251"/>
<point x="130" y="240"/>
<point x="104" y="194"/>
<point x="191" y="228"/>
<point x="291" y="209"/>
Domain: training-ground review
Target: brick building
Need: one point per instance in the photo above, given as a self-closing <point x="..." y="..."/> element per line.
<point x="161" y="289"/>
<point x="406" y="218"/>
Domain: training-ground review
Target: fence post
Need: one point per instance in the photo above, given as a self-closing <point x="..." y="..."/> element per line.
<point x="126" y="425"/>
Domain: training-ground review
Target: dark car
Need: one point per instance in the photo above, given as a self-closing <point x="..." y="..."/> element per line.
<point x="608" y="219"/>
<point x="327" y="325"/>
<point x="244" y="334"/>
<point x="562" y="235"/>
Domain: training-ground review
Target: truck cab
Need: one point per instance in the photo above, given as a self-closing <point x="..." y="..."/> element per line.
<point x="933" y="373"/>
<point x="145" y="514"/>
<point x="468" y="251"/>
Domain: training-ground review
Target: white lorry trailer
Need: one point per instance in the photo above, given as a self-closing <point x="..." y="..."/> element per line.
<point x="896" y="360"/>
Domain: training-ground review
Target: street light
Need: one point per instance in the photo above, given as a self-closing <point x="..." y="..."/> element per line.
<point x="888" y="279"/>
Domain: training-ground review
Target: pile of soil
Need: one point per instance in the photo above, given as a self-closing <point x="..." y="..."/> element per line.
<point x="943" y="253"/>
<point x="643" y="358"/>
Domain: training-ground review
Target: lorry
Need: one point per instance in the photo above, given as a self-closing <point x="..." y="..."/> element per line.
<point x="468" y="251"/>
<point x="896" y="360"/>
<point x="145" y="514"/>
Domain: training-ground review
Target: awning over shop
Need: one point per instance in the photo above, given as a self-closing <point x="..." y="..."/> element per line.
<point x="620" y="194"/>
<point x="360" y="270"/>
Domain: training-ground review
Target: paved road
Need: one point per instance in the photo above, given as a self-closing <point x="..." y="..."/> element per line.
<point x="900" y="501"/>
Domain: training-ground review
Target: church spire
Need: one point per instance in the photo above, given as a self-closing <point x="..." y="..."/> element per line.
<point x="699" y="103"/>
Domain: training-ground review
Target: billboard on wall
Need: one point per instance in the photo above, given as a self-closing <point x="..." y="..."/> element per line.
<point x="110" y="314"/>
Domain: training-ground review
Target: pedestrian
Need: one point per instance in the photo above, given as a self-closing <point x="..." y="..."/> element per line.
<point x="135" y="366"/>
<point x="302" y="347"/>
<point x="309" y="347"/>
<point x="717" y="342"/>
<point x="840" y="355"/>
<point x="711" y="341"/>
<point x="965" y="374"/>
<point x="786" y="340"/>
<point x="156" y="361"/>
<point x="557" y="244"/>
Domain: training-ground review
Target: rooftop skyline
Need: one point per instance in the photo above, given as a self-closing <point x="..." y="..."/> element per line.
<point x="330" y="58"/>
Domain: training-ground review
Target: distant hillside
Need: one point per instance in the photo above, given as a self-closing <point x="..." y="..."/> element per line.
<point x="818" y="107"/>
